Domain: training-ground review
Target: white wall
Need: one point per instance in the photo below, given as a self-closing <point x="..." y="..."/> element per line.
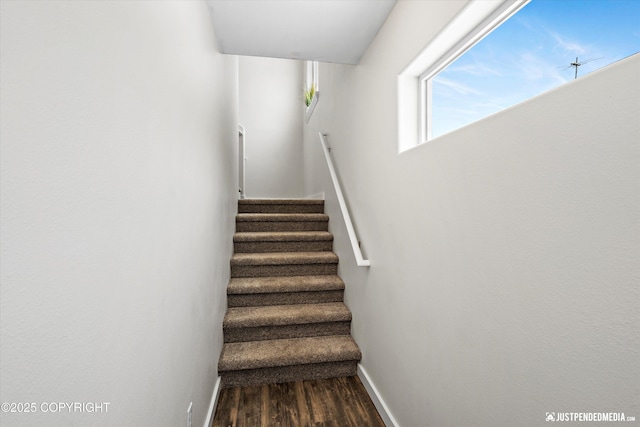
<point x="271" y="105"/>
<point x="505" y="256"/>
<point x="118" y="185"/>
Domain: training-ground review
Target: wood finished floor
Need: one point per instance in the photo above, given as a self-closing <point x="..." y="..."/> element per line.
<point x="338" y="402"/>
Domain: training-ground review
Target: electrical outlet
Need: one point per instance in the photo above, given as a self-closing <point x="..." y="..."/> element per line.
<point x="189" y="414"/>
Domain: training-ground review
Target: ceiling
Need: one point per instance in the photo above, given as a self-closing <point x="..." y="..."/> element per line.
<point x="320" y="30"/>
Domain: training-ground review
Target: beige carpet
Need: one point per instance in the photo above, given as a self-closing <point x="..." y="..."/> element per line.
<point x="286" y="319"/>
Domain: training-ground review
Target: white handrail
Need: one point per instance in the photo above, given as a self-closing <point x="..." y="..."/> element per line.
<point x="242" y="160"/>
<point x="343" y="206"/>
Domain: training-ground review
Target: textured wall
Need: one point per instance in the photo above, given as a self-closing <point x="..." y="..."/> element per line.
<point x="118" y="188"/>
<point x="271" y="105"/>
<point x="505" y="255"/>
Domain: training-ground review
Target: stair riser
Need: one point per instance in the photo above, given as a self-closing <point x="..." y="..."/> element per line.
<point x="283" y="374"/>
<point x="303" y="208"/>
<point x="283" y="270"/>
<point x="286" y="331"/>
<point x="284" y="298"/>
<point x="274" y="226"/>
<point x="263" y="247"/>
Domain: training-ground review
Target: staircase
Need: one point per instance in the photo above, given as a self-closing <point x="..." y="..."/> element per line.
<point x="285" y="320"/>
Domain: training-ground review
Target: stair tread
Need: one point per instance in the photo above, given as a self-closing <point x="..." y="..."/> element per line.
<point x="287" y="352"/>
<point x="263" y="285"/>
<point x="281" y="217"/>
<point x="284" y="258"/>
<point x="281" y="202"/>
<point x="279" y="315"/>
<point x="281" y="236"/>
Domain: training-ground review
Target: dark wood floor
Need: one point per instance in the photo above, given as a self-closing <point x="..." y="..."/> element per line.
<point x="339" y="402"/>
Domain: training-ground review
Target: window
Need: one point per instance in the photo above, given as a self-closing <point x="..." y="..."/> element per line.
<point x="311" y="87"/>
<point x="434" y="84"/>
<point x="471" y="71"/>
<point x="474" y="22"/>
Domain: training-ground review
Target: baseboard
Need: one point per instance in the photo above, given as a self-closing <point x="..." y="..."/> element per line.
<point x="382" y="408"/>
<point x="213" y="404"/>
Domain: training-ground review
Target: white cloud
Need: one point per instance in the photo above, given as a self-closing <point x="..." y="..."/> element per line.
<point x="567" y="45"/>
<point x="476" y="69"/>
<point x="533" y="67"/>
<point x="460" y="88"/>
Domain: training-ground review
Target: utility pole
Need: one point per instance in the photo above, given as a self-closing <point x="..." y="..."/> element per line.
<point x="576" y="65"/>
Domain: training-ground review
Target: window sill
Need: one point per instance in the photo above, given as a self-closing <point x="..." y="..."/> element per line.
<point x="311" y="107"/>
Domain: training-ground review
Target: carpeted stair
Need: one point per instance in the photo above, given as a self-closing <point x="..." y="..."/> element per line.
<point x="286" y="320"/>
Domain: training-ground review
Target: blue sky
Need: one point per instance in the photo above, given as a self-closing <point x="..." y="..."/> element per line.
<point x="529" y="54"/>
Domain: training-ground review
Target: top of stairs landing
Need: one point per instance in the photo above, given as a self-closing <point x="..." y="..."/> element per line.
<point x="280" y="206"/>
